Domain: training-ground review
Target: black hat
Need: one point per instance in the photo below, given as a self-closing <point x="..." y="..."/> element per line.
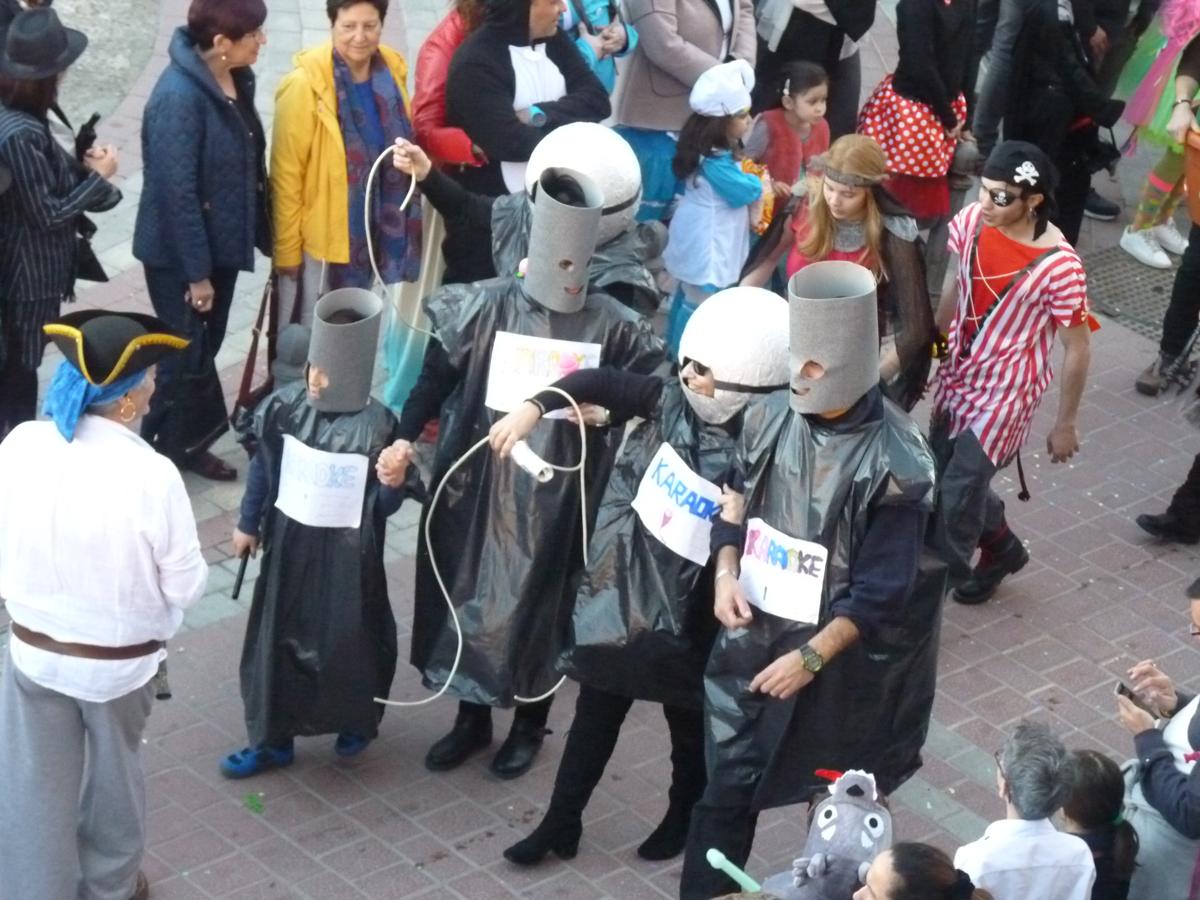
<point x="37" y="46"/>
<point x="1022" y="165"/>
<point x="105" y="346"/>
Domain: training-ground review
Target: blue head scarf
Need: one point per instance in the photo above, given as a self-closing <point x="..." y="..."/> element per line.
<point x="71" y="395"/>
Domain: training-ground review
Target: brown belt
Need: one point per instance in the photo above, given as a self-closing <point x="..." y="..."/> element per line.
<point x="85" y="651"/>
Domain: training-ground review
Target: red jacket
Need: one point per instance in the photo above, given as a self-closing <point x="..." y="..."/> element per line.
<point x="445" y="144"/>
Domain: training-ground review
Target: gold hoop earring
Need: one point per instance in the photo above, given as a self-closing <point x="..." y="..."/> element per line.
<point x="128" y="413"/>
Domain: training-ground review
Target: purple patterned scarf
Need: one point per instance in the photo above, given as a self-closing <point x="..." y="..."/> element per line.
<point x="397" y="236"/>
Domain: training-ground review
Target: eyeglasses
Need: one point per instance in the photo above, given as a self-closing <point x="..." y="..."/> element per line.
<point x="1002" y="197"/>
<point x="999" y="765"/>
<point x="698" y="368"/>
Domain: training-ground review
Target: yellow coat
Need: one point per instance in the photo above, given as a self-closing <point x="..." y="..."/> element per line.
<point x="310" y="200"/>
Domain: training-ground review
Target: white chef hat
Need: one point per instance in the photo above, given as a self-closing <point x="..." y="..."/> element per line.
<point x="723" y="90"/>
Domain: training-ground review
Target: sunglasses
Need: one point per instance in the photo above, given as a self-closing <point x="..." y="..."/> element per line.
<point x="1002" y="197"/>
<point x="699" y="368"/>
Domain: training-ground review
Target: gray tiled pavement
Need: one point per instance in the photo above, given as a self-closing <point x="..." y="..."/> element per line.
<point x="1096" y="596"/>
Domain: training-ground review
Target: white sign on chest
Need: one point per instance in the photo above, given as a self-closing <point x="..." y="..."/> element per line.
<point x="676" y="505"/>
<point x="781" y="574"/>
<point x="321" y="489"/>
<point x="522" y="365"/>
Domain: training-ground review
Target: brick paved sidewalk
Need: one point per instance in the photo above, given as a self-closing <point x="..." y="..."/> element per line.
<point x="1096" y="596"/>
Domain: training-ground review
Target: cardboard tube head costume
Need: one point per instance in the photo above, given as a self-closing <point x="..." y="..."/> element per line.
<point x="741" y="334"/>
<point x="834" y="336"/>
<point x="602" y="155"/>
<point x="345" y="334"/>
<point x="567" y="206"/>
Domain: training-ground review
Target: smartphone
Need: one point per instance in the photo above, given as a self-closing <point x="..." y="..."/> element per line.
<point x="1122" y="689"/>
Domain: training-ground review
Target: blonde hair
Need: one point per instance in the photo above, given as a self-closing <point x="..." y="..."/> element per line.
<point x="859" y="156"/>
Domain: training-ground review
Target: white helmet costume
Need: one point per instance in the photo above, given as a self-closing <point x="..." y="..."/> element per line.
<point x="741" y="334"/>
<point x="606" y="158"/>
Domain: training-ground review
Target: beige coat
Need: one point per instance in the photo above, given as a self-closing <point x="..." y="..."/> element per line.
<point x="677" y="41"/>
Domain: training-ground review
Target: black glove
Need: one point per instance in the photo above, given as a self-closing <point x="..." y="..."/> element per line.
<point x="1107" y="115"/>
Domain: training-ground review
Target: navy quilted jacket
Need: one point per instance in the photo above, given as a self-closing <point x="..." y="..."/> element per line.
<point x="204" y="172"/>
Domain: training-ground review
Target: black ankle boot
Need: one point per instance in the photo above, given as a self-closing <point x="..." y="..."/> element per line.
<point x="556" y="832"/>
<point x="668" y="839"/>
<point x="994" y="566"/>
<point x="472" y="732"/>
<point x="519" y="749"/>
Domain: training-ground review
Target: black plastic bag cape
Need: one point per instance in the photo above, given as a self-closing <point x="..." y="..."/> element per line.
<point x="321" y="640"/>
<point x="618" y="268"/>
<point x="509" y="548"/>
<point x="869" y="707"/>
<point x="643" y="623"/>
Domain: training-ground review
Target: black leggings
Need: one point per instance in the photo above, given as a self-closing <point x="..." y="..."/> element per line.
<point x="593" y="736"/>
<point x="1180" y="319"/>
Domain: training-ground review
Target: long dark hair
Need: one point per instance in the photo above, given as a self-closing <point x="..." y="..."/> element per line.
<point x="1095" y="804"/>
<point x="701" y="136"/>
<point x="32" y="97"/>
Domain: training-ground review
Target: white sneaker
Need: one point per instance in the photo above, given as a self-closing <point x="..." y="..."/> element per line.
<point x="1142" y="247"/>
<point x="1168" y="237"/>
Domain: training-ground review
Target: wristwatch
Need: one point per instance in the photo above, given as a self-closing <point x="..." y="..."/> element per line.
<point x="813" y="661"/>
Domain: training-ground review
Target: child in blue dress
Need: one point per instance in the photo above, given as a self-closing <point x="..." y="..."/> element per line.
<point x="710" y="232"/>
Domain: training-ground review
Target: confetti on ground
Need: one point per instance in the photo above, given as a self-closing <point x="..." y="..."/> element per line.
<point x="253" y="802"/>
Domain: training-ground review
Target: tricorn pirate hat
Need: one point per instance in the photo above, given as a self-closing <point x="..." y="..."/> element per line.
<point x="105" y="346"/>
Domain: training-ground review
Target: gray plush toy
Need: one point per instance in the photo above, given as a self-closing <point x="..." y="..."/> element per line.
<point x="849" y="829"/>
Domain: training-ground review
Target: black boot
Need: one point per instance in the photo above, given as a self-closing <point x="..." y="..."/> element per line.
<point x="729" y="830"/>
<point x="472" y="732"/>
<point x="590" y="743"/>
<point x="688" y="779"/>
<point x="559" y="831"/>
<point x="1167" y="527"/>
<point x="1000" y="559"/>
<point x="524" y="740"/>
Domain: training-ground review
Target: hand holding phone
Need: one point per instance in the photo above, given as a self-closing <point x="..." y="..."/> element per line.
<point x="1121" y="689"/>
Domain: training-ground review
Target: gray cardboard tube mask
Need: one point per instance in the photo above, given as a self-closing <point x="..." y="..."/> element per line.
<point x="562" y="239"/>
<point x="345" y="351"/>
<point x="834" y="336"/>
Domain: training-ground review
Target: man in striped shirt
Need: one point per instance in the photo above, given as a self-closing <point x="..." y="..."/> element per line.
<point x="1019" y="284"/>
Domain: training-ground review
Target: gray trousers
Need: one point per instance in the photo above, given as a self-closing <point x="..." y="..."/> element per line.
<point x="967" y="507"/>
<point x="72" y="793"/>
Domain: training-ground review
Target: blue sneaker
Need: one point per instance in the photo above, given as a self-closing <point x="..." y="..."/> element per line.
<point x="253" y="760"/>
<point x="350" y="744"/>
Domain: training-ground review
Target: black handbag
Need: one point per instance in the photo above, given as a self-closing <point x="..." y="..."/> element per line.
<point x="87" y="266"/>
<point x="194" y="413"/>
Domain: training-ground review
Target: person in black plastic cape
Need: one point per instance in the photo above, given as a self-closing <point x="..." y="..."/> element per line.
<point x="827" y="655"/>
<point x="509" y="548"/>
<point x="643" y="624"/>
<point x="321" y="640"/>
<point x="618" y="264"/>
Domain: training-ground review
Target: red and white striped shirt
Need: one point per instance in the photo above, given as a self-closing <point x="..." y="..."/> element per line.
<point x="995" y="387"/>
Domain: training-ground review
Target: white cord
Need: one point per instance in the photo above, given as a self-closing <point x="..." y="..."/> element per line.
<point x="578" y="467"/>
<point x="412" y="188"/>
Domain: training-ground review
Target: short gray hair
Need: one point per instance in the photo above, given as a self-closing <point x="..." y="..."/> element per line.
<point x="1034" y="765"/>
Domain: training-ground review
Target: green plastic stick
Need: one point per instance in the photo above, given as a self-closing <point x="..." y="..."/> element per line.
<point x="717" y="860"/>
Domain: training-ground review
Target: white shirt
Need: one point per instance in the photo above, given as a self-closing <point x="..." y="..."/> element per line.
<point x="536" y="80"/>
<point x="98" y="546"/>
<point x="1029" y="860"/>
